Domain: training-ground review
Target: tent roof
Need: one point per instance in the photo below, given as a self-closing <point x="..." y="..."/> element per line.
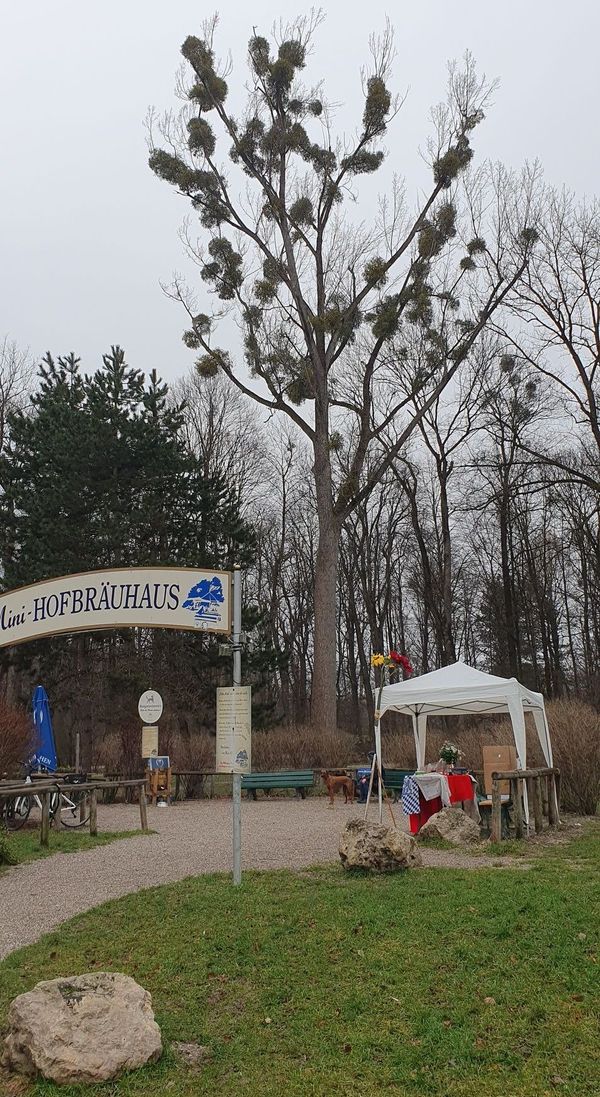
<point x="457" y="690"/>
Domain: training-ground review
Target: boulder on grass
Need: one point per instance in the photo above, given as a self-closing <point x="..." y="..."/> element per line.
<point x="88" y="1028"/>
<point x="377" y="848"/>
<point x="453" y="825"/>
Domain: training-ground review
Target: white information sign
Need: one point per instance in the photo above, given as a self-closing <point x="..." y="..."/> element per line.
<point x="150" y="706"/>
<point x="149" y="742"/>
<point x="161" y="597"/>
<point x="234" y="729"/>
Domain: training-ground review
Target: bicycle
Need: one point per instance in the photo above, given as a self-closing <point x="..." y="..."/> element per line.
<point x="73" y="811"/>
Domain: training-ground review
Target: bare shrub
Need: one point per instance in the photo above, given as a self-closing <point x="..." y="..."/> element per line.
<point x="302" y="748"/>
<point x="17" y="739"/>
<point x="276" y="749"/>
<point x="193" y="752"/>
<point x="119" y="752"/>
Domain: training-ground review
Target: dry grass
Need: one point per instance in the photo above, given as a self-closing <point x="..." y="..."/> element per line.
<point x="575" y="734"/>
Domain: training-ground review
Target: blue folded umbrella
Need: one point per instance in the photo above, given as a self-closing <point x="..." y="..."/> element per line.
<point x="45" y="755"/>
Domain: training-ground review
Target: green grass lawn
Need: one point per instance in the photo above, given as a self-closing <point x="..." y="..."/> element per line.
<point x="25" y="844"/>
<point x="434" y="983"/>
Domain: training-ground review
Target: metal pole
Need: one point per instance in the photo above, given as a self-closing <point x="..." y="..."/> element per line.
<point x="77" y="751"/>
<point x="237" y="681"/>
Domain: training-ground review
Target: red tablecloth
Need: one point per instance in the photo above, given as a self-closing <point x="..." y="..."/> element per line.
<point x="428" y="808"/>
<point x="461" y="789"/>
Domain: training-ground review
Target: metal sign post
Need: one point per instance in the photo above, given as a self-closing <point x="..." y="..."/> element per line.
<point x="237" y="681"/>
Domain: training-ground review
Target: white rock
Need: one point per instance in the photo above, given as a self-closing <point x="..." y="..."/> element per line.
<point x="377" y="847"/>
<point x="88" y="1028"/>
<point x="451" y="824"/>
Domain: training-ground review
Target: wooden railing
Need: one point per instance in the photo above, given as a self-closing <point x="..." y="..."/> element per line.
<point x="543" y="794"/>
<point x="45" y="789"/>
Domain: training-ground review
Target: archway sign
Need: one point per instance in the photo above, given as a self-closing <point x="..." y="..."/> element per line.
<point x="159" y="597"/>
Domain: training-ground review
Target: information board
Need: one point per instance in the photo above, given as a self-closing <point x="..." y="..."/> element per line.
<point x="234" y="729"/>
<point x="149" y="742"/>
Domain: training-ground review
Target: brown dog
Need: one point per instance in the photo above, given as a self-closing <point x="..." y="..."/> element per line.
<point x="334" y="781"/>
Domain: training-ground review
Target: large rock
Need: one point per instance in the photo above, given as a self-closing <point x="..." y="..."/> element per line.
<point x="89" y="1028"/>
<point x="377" y="847"/>
<point x="453" y="825"/>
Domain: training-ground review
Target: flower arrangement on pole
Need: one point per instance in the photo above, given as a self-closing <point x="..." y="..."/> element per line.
<point x="392" y="662"/>
<point x="387" y="665"/>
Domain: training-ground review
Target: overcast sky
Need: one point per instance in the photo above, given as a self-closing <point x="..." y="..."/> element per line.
<point x="87" y="232"/>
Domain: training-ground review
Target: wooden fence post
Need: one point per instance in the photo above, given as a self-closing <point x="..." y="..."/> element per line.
<point x="538" y="811"/>
<point x="496" y="833"/>
<point x="545" y="801"/>
<point x="143" y="809"/>
<point x="45" y="831"/>
<point x="535" y="799"/>
<point x="515" y="792"/>
<point x="94" y="812"/>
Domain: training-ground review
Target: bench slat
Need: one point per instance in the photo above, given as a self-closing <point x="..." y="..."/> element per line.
<point x="275" y="780"/>
<point x="394" y="778"/>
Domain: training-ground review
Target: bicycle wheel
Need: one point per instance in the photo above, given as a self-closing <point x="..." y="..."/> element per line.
<point x="16" y="812"/>
<point x="74" y="808"/>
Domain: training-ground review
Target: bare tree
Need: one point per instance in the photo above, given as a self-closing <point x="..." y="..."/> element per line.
<point x="16" y="378"/>
<point x="222" y="428"/>
<point x="557" y="309"/>
<point x="321" y="301"/>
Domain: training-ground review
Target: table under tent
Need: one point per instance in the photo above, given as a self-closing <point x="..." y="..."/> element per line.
<point x="460" y="690"/>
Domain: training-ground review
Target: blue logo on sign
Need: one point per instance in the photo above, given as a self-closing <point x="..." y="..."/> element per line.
<point x="241" y="758"/>
<point x="204" y="600"/>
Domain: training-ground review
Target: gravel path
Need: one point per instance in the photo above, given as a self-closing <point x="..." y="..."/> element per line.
<point x="192" y="838"/>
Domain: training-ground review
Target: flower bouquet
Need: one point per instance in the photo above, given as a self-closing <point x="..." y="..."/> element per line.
<point x="393" y="661"/>
<point x="450" y="754"/>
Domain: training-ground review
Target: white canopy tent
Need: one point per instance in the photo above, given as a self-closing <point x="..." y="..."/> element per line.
<point x="460" y="690"/>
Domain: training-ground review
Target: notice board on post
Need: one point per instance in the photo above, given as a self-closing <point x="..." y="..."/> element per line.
<point x="495" y="760"/>
<point x="149" y="741"/>
<point x="234" y="729"/>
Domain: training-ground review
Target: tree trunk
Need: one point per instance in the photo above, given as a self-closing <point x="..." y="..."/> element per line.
<point x="447" y="630"/>
<point x="323" y="707"/>
<point x="507" y="587"/>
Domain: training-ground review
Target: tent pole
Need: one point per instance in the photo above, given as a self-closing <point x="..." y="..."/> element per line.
<point x="369" y="790"/>
<point x="379" y="767"/>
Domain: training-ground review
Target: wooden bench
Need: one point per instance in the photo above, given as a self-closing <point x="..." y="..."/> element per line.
<point x="393" y="780"/>
<point x="298" y="779"/>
